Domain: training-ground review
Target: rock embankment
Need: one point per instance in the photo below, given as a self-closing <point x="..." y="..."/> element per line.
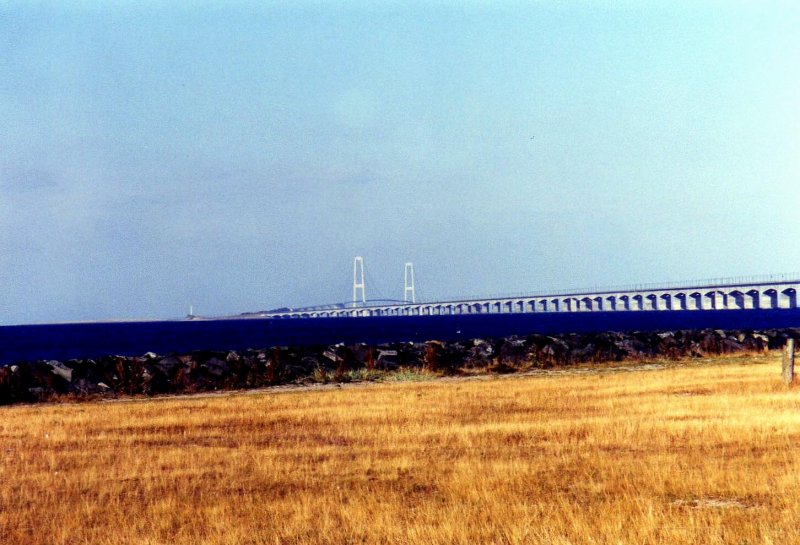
<point x="208" y="370"/>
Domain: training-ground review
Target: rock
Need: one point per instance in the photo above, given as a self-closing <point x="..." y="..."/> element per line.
<point x="479" y="354"/>
<point x="386" y="354"/>
<point x="309" y="363"/>
<point x="434" y="351"/>
<point x="710" y="343"/>
<point x="754" y="343"/>
<point x="61" y="370"/>
<point x="40" y="393"/>
<point x="168" y="365"/>
<point x="583" y="354"/>
<point x="411" y="354"/>
<point x="730" y="345"/>
<point x="87" y="387"/>
<point x="364" y="355"/>
<point x="11" y="388"/>
<point x="332" y="356"/>
<point x="216" y="367"/>
<point x="155" y="380"/>
<point x="554" y="353"/>
<point x="512" y="351"/>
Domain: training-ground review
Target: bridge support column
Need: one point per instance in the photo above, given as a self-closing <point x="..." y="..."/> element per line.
<point x="788" y="298"/>
<point x="769" y="299"/>
<point x="736" y="300"/>
<point x="714" y="300"/>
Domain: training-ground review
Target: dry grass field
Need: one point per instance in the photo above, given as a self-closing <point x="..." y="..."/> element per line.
<point x="696" y="453"/>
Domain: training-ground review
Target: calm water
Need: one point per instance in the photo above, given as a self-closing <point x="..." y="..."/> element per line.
<point x="89" y="340"/>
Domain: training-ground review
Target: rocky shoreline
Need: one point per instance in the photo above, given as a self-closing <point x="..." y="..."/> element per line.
<point x="212" y="370"/>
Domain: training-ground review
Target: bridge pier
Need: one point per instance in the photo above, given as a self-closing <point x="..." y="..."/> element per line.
<point x="789" y="298"/>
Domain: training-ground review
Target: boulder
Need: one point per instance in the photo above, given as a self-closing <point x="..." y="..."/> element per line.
<point x="58" y="368"/>
<point x="512" y="351"/>
<point x="479" y="354"/>
<point x="434" y="350"/>
<point x="216" y="367"/>
<point x="169" y="365"/>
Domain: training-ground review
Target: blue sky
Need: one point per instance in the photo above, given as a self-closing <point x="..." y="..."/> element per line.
<point x="238" y="157"/>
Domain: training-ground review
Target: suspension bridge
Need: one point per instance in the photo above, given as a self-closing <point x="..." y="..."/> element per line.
<point x="769" y="292"/>
<point x="726" y="303"/>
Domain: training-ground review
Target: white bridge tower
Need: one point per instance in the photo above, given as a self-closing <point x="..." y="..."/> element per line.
<point x="409" y="294"/>
<point x="358" y="281"/>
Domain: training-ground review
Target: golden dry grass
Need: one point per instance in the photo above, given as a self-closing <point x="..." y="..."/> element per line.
<point x="693" y="454"/>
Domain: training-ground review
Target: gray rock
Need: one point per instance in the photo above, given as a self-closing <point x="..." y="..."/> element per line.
<point x="233" y="356"/>
<point x="58" y="368"/>
<point x="385" y="354"/>
<point x="333" y="356"/>
<point x="167" y="365"/>
<point x="216" y="367"/>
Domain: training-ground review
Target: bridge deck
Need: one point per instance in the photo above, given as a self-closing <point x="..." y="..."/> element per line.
<point x="778" y="294"/>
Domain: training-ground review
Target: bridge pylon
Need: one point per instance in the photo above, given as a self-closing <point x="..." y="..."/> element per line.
<point x="409" y="293"/>
<point x="358" y="281"/>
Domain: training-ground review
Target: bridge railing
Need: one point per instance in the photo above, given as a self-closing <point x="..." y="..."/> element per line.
<point x="651" y="286"/>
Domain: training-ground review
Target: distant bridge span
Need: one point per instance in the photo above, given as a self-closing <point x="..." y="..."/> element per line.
<point x="728" y="294"/>
<point x="718" y="305"/>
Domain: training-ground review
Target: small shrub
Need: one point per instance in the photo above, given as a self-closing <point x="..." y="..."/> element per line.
<point x="320" y="375"/>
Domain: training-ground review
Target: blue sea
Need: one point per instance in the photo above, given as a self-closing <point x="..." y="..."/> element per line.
<point x="96" y="339"/>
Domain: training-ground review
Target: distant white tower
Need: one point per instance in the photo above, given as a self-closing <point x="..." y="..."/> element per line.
<point x="409" y="295"/>
<point x="358" y="280"/>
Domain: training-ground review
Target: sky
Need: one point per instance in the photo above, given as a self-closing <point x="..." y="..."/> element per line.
<point x="237" y="156"/>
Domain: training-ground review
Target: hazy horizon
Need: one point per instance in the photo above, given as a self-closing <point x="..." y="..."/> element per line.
<point x="236" y="158"/>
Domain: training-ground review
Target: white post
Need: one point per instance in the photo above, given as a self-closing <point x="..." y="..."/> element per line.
<point x="788" y="362"/>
